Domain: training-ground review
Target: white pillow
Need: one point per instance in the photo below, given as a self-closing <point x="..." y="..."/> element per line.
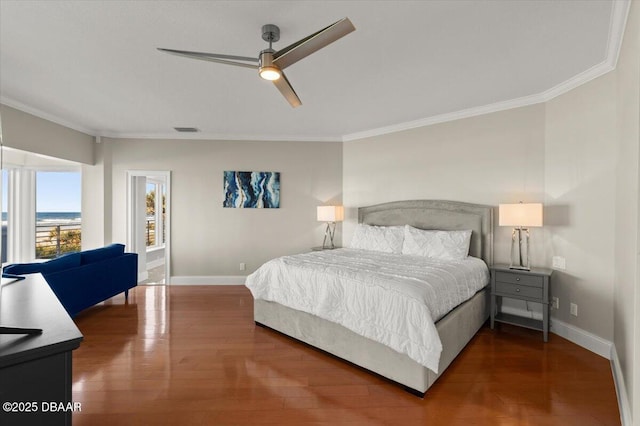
<point x="446" y="245"/>
<point x="387" y="239"/>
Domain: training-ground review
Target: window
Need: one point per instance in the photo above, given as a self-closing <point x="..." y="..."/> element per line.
<point x="155" y="228"/>
<point x="58" y="216"/>
<point x="41" y="196"/>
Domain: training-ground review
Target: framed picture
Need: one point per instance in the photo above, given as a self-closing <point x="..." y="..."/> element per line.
<point x="252" y="190"/>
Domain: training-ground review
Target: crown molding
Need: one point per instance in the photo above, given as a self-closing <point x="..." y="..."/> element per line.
<point x="619" y="14"/>
<point x="617" y="26"/>
<point x="46" y="116"/>
<point x="578" y="80"/>
<point x="443" y="118"/>
<point x="220" y="137"/>
<point x="168" y="135"/>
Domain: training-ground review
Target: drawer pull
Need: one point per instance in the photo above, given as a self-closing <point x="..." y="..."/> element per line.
<point x="518" y="290"/>
<point x="518" y="279"/>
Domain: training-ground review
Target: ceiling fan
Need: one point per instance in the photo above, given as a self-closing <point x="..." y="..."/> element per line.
<point x="271" y="63"/>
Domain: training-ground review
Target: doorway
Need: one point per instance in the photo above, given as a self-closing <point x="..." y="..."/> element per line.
<point x="149" y="224"/>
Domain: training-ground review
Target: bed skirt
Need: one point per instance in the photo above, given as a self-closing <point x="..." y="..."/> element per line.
<point x="455" y="330"/>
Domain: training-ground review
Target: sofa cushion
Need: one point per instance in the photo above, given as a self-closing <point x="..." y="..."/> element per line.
<point x="63" y="262"/>
<point x="102" y="253"/>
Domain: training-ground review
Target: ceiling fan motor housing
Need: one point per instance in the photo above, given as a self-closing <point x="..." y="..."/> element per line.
<point x="266" y="58"/>
<point x="270" y="33"/>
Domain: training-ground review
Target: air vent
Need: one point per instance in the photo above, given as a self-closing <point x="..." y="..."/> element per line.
<point x="186" y="129"/>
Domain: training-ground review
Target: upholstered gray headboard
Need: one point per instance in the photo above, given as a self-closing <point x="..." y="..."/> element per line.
<point x="438" y="214"/>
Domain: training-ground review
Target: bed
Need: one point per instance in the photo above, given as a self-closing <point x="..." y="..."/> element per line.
<point x="454" y="329"/>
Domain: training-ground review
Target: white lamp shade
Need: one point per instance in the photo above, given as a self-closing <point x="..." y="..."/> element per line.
<point x="520" y="215"/>
<point x="330" y="213"/>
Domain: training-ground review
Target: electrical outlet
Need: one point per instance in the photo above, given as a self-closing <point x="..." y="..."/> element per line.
<point x="559" y="262"/>
<point x="243" y="266"/>
<point x="555" y="303"/>
<point x="574" y="309"/>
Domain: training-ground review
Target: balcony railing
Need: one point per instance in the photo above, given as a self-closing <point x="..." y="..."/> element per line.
<point x="151" y="233"/>
<point x="54" y="239"/>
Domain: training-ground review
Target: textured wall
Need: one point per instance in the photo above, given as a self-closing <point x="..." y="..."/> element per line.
<point x="490" y="159"/>
<point x="209" y="240"/>
<point x="580" y="166"/>
<point x="627" y="247"/>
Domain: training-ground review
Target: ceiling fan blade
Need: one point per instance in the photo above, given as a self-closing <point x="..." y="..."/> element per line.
<point x="287" y="91"/>
<point x="214" y="57"/>
<point x="316" y="41"/>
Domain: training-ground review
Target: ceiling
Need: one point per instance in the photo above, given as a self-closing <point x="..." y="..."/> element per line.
<point x="93" y="65"/>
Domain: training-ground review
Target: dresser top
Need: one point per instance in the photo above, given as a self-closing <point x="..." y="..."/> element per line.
<point x="31" y="303"/>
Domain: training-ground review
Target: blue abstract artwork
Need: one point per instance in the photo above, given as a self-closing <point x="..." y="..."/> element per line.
<point x="253" y="190"/>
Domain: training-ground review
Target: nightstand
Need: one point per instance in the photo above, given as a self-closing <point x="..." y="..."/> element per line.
<point x="532" y="286"/>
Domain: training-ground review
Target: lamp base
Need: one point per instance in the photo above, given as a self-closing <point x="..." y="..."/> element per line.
<point x="520" y="249"/>
<point x="329" y="232"/>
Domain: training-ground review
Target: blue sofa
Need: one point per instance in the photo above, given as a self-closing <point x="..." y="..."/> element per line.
<point x="82" y="279"/>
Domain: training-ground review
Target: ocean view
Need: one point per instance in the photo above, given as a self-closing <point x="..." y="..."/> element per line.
<point x="58" y="216"/>
<point x="53" y="217"/>
<point x="56" y="233"/>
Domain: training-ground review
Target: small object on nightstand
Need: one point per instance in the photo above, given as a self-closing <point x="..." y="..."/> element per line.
<point x="531" y="286"/>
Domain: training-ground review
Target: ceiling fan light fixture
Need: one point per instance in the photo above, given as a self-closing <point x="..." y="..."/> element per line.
<point x="266" y="68"/>
<point x="270" y="64"/>
<point x="270" y="73"/>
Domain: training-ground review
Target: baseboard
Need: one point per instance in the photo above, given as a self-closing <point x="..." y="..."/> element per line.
<point x="583" y="338"/>
<point x="155" y="263"/>
<point x="621" y="389"/>
<point x="208" y="280"/>
<point x="576" y="335"/>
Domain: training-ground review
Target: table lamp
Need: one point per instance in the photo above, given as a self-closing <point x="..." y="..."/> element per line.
<point x="521" y="216"/>
<point x="331" y="215"/>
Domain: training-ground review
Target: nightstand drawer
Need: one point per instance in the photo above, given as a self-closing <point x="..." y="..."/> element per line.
<point x="519" y="290"/>
<point x="521" y="279"/>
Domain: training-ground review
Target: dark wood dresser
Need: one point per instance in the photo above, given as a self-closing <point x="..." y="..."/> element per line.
<point x="35" y="370"/>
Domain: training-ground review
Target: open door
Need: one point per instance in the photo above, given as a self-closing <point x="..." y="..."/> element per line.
<point x="148" y="224"/>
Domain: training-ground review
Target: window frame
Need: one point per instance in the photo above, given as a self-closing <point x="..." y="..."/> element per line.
<point x="21" y="183"/>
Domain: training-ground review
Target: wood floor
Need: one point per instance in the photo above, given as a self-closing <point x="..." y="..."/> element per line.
<point x="192" y="356"/>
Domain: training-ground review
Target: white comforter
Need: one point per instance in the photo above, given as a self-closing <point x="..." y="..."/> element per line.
<point x="390" y="298"/>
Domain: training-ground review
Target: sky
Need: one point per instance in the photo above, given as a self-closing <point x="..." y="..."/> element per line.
<point x="55" y="192"/>
<point x="58" y="192"/>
